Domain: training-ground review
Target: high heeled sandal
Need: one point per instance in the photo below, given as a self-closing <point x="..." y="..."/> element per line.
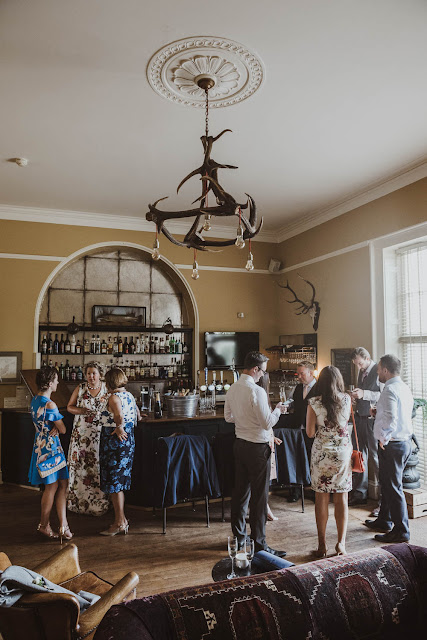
<point x="321" y="552"/>
<point x="64" y="532"/>
<point x="340" y="549"/>
<point x="122" y="528"/>
<point x="48" y="533"/>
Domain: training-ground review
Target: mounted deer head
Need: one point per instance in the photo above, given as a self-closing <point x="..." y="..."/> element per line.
<point x="312" y="308"/>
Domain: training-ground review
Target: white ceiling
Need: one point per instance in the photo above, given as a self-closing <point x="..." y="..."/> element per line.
<point x="342" y="107"/>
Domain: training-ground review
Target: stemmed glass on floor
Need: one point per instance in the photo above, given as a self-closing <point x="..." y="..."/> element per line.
<point x="233" y="546"/>
<point x="250" y="551"/>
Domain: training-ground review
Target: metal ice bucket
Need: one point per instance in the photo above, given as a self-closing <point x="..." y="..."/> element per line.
<point x="182" y="406"/>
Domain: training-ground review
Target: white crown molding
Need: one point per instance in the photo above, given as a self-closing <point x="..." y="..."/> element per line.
<point x="403" y="179"/>
<point x="110" y="221"/>
<point x="29" y="256"/>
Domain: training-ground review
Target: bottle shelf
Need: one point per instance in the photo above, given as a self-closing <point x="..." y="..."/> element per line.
<point x="95" y="328"/>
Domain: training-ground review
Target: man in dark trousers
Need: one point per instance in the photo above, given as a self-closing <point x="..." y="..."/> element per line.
<point x="367" y="392"/>
<point x="247" y="406"/>
<point x="305" y="389"/>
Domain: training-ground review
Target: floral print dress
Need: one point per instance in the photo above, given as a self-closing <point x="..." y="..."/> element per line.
<point x="85" y="495"/>
<point x="331" y="453"/>
<point x="116" y="457"/>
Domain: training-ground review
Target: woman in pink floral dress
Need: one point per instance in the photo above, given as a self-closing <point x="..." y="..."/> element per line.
<point x="87" y="402"/>
<point x="327" y="421"/>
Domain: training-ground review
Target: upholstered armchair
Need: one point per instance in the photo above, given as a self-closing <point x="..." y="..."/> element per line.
<point x="56" y="616"/>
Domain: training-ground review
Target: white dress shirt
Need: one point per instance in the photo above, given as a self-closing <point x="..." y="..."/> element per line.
<point x="246" y="405"/>
<point x="394" y="412"/>
<point x="307" y="387"/>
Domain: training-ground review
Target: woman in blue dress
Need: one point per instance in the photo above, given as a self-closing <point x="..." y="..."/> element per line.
<point x="117" y="446"/>
<point x="48" y="465"/>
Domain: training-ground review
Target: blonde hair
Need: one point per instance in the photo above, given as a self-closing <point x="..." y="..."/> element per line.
<point x="115" y="378"/>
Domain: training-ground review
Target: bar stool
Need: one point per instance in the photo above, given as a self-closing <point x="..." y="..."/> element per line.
<point x="185" y="470"/>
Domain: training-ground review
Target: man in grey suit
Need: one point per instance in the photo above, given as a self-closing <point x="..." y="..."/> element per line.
<point x="366" y="393"/>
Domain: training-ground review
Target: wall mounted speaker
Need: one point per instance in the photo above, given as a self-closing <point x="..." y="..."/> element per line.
<point x="274" y="265"/>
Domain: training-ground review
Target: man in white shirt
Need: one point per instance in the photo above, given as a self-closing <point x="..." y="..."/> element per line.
<point x="247" y="406"/>
<point x="393" y="430"/>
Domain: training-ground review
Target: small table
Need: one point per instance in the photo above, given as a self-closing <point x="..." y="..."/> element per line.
<point x="223" y="568"/>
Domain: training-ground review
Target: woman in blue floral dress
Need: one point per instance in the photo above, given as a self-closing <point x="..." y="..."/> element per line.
<point x="117" y="446"/>
<point x="327" y="421"/>
<point x="48" y="456"/>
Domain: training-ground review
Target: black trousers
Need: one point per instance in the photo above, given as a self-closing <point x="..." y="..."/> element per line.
<point x="252" y="479"/>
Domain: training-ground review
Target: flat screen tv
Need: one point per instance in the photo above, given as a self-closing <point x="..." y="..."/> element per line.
<point x="222" y="346"/>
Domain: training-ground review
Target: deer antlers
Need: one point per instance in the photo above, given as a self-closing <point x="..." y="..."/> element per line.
<point x="312" y="308"/>
<point x="226" y="205"/>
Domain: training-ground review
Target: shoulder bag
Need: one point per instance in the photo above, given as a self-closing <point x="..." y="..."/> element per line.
<point x="54" y="459"/>
<point x="357" y="464"/>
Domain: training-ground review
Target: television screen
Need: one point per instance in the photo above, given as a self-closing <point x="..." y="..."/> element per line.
<point x="222" y="346"/>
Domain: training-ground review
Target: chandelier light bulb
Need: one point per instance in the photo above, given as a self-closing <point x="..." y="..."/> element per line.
<point x="155" y="254"/>
<point x="250" y="264"/>
<point x="207" y="224"/>
<point x="240" y="242"/>
<point x="195" y="275"/>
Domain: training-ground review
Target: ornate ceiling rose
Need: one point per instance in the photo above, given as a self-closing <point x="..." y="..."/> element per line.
<point x="175" y="70"/>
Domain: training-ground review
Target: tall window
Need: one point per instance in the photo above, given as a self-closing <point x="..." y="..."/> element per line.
<point x="412" y="333"/>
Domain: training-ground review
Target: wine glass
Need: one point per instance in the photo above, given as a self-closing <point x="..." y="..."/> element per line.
<point x="282" y="393"/>
<point x="373" y="406"/>
<point x="250" y="551"/>
<point x="233" y="546"/>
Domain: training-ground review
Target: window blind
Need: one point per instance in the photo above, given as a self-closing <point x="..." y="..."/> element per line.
<point x="412" y="334"/>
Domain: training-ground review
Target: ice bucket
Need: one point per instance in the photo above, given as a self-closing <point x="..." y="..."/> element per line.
<point x="182" y="406"/>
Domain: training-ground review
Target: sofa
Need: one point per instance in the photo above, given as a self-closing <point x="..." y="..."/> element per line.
<point x="376" y="593"/>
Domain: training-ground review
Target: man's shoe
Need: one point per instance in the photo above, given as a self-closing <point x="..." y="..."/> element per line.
<point x="353" y="501"/>
<point x="274" y="552"/>
<point x="391" y="536"/>
<point x="374" y="525"/>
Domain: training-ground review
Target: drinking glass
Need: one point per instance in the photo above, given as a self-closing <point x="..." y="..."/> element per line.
<point x="373" y="406"/>
<point x="233" y="546"/>
<point x="250" y="551"/>
<point x="282" y="393"/>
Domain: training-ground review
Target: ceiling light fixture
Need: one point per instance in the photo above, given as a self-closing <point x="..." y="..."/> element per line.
<point x="225" y="204"/>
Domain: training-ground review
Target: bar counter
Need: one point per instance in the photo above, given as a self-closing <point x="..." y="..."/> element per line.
<point x="17" y="437"/>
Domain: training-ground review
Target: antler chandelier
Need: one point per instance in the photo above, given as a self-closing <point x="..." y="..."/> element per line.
<point x="225" y="204"/>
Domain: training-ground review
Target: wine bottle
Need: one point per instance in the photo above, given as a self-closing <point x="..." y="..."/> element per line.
<point x="120" y="345"/>
<point x="78" y="347"/>
<point x="67" y="345"/>
<point x="73" y="344"/>
<point x="157" y="406"/>
<point x="62" y="344"/>
<point x="50" y="344"/>
<point x="44" y="346"/>
<point x="67" y="370"/>
<point x="56" y="344"/>
<point x="131" y="346"/>
<point x="104" y="347"/>
<point x="126" y="346"/>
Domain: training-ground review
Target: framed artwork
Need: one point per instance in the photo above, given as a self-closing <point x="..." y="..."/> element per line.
<point x="105" y="315"/>
<point x="10" y="366"/>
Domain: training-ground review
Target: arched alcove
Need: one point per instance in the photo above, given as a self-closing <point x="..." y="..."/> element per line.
<point x="116" y="274"/>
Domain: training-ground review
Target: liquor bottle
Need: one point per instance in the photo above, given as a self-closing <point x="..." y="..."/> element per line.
<point x="62" y="344"/>
<point x="142" y="371"/>
<point x="98" y="345"/>
<point x="184" y="348"/>
<point x="109" y="346"/>
<point x="73" y="344"/>
<point x="152" y="370"/>
<point x="137" y="370"/>
<point x="131" y="346"/>
<point x="132" y="370"/>
<point x="78" y="347"/>
<point x="127" y="369"/>
<point x="178" y="368"/>
<point x="152" y="344"/>
<point x="157" y="406"/>
<point x="62" y="371"/>
<point x="51" y="363"/>
<point x="86" y="347"/>
<point x="50" y="344"/>
<point x="93" y="344"/>
<point x="156" y="345"/>
<point x="67" y="345"/>
<point x="73" y="374"/>
<point x="146" y="344"/>
<point x="79" y="374"/>
<point x="67" y="371"/>
<point x="161" y="345"/>
<point x="44" y="346"/>
<point x="56" y="344"/>
<point x="120" y="344"/>
<point x="166" y="345"/>
<point x="104" y="347"/>
<point x="126" y="346"/>
<point x="156" y="370"/>
<point x="115" y="346"/>
<point x="178" y="346"/>
<point x="172" y="344"/>
<point x="170" y="371"/>
<point x="138" y="345"/>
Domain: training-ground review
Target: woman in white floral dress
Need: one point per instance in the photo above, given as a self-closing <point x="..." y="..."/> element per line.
<point x="327" y="421"/>
<point x="87" y="402"/>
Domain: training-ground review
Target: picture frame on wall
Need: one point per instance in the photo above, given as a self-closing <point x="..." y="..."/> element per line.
<point x="10" y="366"/>
<point x="119" y="316"/>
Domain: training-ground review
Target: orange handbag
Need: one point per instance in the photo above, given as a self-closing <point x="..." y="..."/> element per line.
<point x="357" y="464"/>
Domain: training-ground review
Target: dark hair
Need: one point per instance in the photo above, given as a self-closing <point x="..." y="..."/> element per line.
<point x="115" y="378"/>
<point x="254" y="359"/>
<point x="362" y="352"/>
<point x="264" y="383"/>
<point x="329" y="386"/>
<point x="391" y="363"/>
<point x="45" y="376"/>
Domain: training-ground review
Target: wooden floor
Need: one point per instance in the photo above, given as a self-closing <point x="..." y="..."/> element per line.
<point x="186" y="554"/>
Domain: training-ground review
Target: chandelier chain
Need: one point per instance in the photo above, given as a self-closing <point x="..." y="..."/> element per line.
<point x="207" y="112"/>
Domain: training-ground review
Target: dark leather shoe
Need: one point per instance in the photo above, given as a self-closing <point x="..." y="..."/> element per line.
<point x="374" y="525"/>
<point x="391" y="536"/>
<point x="274" y="552"/>
<point x="353" y="501"/>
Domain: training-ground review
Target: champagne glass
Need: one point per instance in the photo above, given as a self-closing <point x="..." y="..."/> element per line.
<point x="232" y="552"/>
<point x="282" y="393"/>
<point x="250" y="551"/>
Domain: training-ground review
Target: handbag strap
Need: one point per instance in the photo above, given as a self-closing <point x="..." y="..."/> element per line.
<point x="354" y="425"/>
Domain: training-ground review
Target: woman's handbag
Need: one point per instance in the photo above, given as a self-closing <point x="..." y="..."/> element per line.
<point x="357" y="464"/>
<point x="54" y="459"/>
